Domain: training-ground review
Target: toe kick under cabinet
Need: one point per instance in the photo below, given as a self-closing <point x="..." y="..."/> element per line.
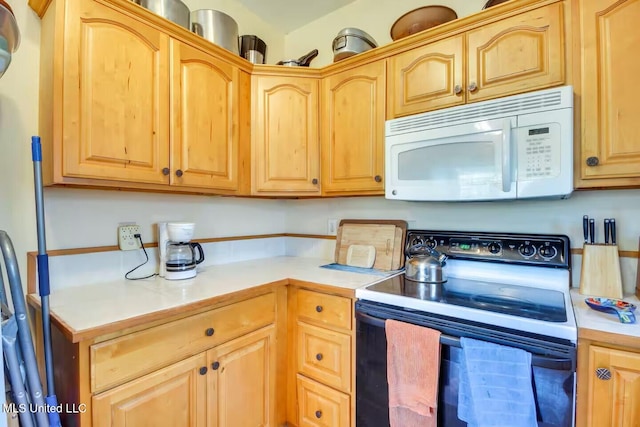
<point x="321" y="359"/>
<point x="214" y="368"/>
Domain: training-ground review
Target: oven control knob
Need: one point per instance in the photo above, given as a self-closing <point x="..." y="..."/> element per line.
<point x="431" y="243"/>
<point x="547" y="252"/>
<point x="494" y="247"/>
<point x="417" y="241"/>
<point x="527" y="250"/>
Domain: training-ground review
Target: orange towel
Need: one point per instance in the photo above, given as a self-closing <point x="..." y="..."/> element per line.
<point x="413" y="367"/>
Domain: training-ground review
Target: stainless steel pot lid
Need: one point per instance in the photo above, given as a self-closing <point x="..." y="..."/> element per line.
<point x="356" y="32"/>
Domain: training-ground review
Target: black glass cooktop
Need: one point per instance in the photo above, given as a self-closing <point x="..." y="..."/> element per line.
<point x="533" y="303"/>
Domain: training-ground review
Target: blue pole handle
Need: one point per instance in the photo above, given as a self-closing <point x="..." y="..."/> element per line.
<point x="43" y="274"/>
<point x="36" y="149"/>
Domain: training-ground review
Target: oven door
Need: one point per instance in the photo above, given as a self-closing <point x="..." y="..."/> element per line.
<point x="471" y="161"/>
<point x="553" y="374"/>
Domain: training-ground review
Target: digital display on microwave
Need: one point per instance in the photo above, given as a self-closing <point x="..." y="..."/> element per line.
<point x="539" y="131"/>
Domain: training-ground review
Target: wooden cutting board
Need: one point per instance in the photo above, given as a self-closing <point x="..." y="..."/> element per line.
<point x="386" y="236"/>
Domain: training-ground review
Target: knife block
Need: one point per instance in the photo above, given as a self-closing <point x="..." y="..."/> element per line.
<point x="600" y="274"/>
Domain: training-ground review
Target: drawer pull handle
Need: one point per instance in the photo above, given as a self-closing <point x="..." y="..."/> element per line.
<point x="203" y="370"/>
<point x="319" y="357"/>
<point x="318" y="414"/>
<point x="319" y="308"/>
<point x="603" y="374"/>
<point x="209" y="332"/>
<point x="377" y="178"/>
<point x="215" y="366"/>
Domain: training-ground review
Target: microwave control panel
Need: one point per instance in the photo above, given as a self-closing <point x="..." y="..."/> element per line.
<point x="538" y="151"/>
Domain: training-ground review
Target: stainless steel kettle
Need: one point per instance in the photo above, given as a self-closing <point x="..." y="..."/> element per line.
<point x="425" y="265"/>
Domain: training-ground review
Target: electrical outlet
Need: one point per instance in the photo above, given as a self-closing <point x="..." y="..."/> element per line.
<point x="126" y="239"/>
<point x="332" y="227"/>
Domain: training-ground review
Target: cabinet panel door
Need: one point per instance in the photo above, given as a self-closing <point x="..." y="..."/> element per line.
<point x="286" y="143"/>
<point x="173" y="397"/>
<point x="517" y="54"/>
<point x="426" y="78"/>
<point x="243" y="383"/>
<point x="610" y="109"/>
<point x="321" y="406"/>
<point x="116" y="96"/>
<point x="616" y="401"/>
<point x="204" y="134"/>
<point x="353" y="131"/>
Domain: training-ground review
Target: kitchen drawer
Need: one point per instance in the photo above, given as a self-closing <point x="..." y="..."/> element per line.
<point x="319" y="405"/>
<point x="325" y="355"/>
<point x="129" y="356"/>
<point x="324" y="309"/>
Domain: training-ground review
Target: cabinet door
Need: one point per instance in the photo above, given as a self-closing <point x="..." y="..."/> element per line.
<point x="243" y="384"/>
<point x="353" y="131"/>
<point x="204" y="117"/>
<point x="426" y="78"/>
<point x="610" y="109"/>
<point x="321" y="406"/>
<point x="614" y="401"/>
<point x="173" y="397"/>
<point x="517" y="54"/>
<point x="116" y="96"/>
<point x="285" y="153"/>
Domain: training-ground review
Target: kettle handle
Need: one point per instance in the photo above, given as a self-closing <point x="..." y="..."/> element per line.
<point x="199" y="250"/>
<point x="423" y="249"/>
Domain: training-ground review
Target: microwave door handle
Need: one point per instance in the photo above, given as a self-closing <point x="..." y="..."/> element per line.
<point x="506" y="155"/>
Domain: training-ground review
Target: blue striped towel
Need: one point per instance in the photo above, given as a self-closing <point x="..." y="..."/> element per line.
<point x="495" y="386"/>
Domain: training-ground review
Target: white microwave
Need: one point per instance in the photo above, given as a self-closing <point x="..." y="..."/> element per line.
<point x="515" y="147"/>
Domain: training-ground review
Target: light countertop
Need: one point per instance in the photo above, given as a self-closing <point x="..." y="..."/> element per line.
<point x="589" y="318"/>
<point x="85" y="308"/>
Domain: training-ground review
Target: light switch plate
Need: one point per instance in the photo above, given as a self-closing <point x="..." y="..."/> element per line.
<point x="126" y="239"/>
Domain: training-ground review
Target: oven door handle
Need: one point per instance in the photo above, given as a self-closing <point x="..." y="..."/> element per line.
<point x="557" y="364"/>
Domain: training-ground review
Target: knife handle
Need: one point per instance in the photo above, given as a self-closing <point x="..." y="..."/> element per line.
<point x="612" y="225"/>
<point x="585" y="228"/>
<point x="592" y="230"/>
<point x="607" y="231"/>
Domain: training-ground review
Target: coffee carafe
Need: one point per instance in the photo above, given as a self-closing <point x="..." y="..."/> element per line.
<point x="178" y="255"/>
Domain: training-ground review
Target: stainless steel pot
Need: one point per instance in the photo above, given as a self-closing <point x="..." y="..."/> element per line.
<point x="351" y="41"/>
<point x="173" y="10"/>
<point x="217" y="27"/>
<point x="425" y="265"/>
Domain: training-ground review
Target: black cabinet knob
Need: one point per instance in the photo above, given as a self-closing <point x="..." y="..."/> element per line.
<point x="209" y="332"/>
<point x="179" y="173"/>
<point x="203" y="370"/>
<point x="319" y="308"/>
<point x="592" y="161"/>
<point x="215" y="366"/>
<point x="319" y="357"/>
<point x="314" y="181"/>
<point x="165" y="171"/>
<point x="378" y="178"/>
<point x="318" y="414"/>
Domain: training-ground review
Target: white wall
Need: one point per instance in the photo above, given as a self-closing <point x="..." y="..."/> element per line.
<point x="248" y="23"/>
<point x="373" y="16"/>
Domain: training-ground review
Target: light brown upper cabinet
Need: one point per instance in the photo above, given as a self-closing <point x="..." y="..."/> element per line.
<point x="608" y="150"/>
<point x="124" y="104"/>
<point x="204" y="137"/>
<point x="285" y="141"/>
<point x="517" y="54"/>
<point x="353" y="115"/>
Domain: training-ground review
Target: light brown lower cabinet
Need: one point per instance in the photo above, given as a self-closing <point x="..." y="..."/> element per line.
<point x="608" y="382"/>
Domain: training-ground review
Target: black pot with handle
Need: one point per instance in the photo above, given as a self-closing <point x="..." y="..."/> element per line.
<point x="303" y="61"/>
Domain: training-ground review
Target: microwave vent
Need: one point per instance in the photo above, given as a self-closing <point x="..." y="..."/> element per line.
<point x="510" y="106"/>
